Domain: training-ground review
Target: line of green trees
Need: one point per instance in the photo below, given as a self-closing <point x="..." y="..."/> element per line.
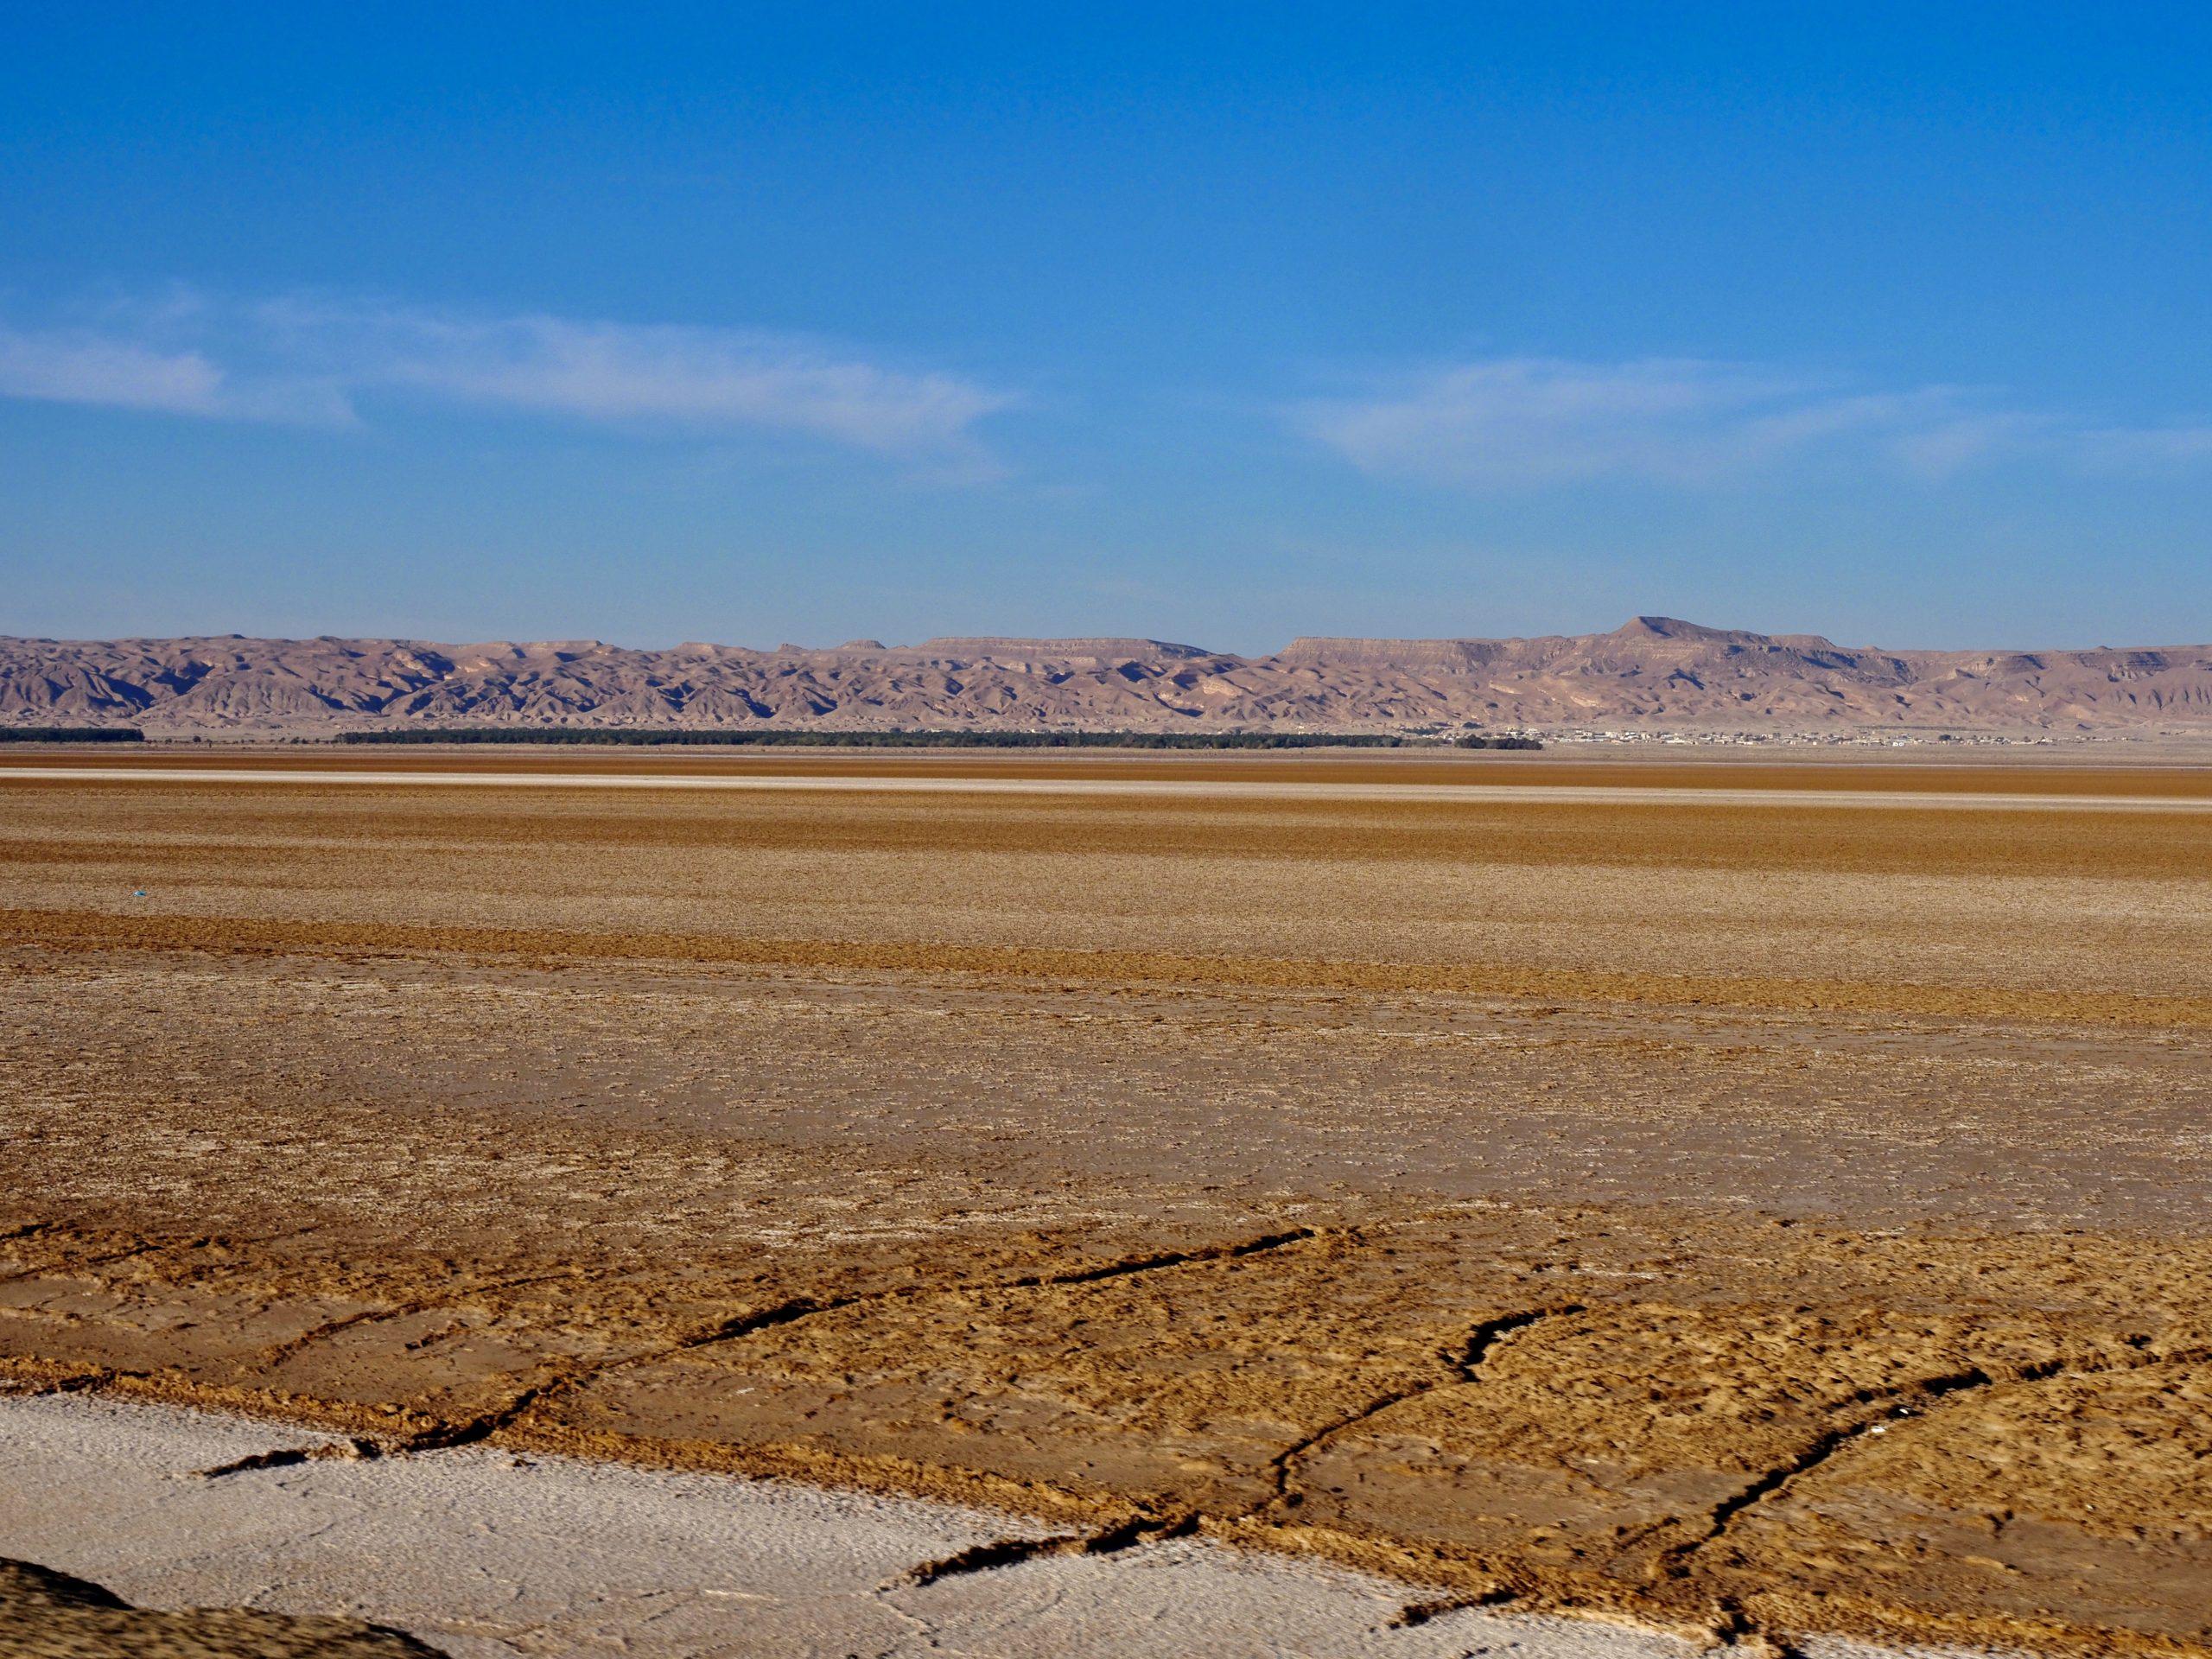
<point x="786" y="738"/>
<point x="70" y="734"/>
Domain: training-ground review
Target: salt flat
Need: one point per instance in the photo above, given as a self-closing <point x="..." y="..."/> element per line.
<point x="488" y="1555"/>
<point x="1745" y="1219"/>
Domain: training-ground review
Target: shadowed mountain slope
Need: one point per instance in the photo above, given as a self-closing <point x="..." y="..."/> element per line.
<point x="1652" y="672"/>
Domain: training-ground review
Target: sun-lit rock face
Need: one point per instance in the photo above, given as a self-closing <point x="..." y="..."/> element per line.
<point x="1651" y="672"/>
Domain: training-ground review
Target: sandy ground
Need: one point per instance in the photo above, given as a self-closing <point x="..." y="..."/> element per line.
<point x="1763" y="1221"/>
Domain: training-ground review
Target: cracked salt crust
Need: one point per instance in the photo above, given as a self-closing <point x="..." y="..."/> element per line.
<point x="488" y="1556"/>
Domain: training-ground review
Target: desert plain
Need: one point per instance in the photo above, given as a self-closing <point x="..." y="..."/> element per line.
<point x="1758" y="1201"/>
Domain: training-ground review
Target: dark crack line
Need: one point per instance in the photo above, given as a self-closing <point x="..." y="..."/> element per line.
<point x="736" y="1329"/>
<point x="1414" y="1614"/>
<point x="79" y="1265"/>
<point x="1166" y="1259"/>
<point x="430" y="1439"/>
<point x="1898" y="1405"/>
<point x="1463" y="1365"/>
<point x="350" y="1451"/>
<point x="804" y="1307"/>
<point x="1280" y="1464"/>
<point x="480" y="1428"/>
<point x="989" y="1557"/>
<point x="277" y="1353"/>
<point x="1824" y="1446"/>
<point x="486" y="1425"/>
<point x="1901" y="1404"/>
<point x="1487" y="1335"/>
<point x="1736" y="1626"/>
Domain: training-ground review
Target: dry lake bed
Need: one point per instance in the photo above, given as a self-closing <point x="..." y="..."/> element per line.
<point x="730" y="1204"/>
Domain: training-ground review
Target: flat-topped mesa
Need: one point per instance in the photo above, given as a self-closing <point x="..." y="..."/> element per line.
<point x="1000" y="649"/>
<point x="1399" y="656"/>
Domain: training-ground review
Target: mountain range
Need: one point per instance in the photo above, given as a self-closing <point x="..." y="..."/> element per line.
<point x="1653" y="673"/>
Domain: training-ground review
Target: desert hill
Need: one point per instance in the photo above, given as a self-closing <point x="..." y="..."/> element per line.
<point x="1652" y="673"/>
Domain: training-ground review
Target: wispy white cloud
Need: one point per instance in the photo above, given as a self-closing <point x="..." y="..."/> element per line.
<point x="84" y="368"/>
<point x="1525" y="422"/>
<point x="316" y="358"/>
<point x="636" y="373"/>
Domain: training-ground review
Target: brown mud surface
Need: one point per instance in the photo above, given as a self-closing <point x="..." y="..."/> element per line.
<point x="1763" y="1221"/>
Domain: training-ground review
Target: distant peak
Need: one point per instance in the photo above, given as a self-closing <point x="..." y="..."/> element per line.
<point x="1671" y="627"/>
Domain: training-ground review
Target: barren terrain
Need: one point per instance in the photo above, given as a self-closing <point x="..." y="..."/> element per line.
<point x="1761" y="1203"/>
<point x="1653" y="673"/>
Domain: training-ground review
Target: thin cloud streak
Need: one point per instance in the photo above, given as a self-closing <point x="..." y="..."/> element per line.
<point x="79" y="368"/>
<point x="1522" y="423"/>
<point x="309" y="359"/>
<point x="633" y="373"/>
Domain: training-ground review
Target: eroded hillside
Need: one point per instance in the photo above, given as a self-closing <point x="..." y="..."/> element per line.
<point x="1653" y="672"/>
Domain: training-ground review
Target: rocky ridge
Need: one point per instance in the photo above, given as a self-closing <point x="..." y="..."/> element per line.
<point x="1653" y="673"/>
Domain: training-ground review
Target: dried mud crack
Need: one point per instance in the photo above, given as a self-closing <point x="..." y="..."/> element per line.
<point x="1462" y="1368"/>
<point x="487" y="1425"/>
<point x="989" y="1556"/>
<point x="291" y="1457"/>
<point x="802" y="1308"/>
<point x="1546" y="1340"/>
<point x="1647" y="1208"/>
<point x="1898" y="1405"/>
<point x="1904" y="1407"/>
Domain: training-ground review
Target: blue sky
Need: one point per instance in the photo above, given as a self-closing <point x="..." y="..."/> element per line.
<point x="756" y="323"/>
